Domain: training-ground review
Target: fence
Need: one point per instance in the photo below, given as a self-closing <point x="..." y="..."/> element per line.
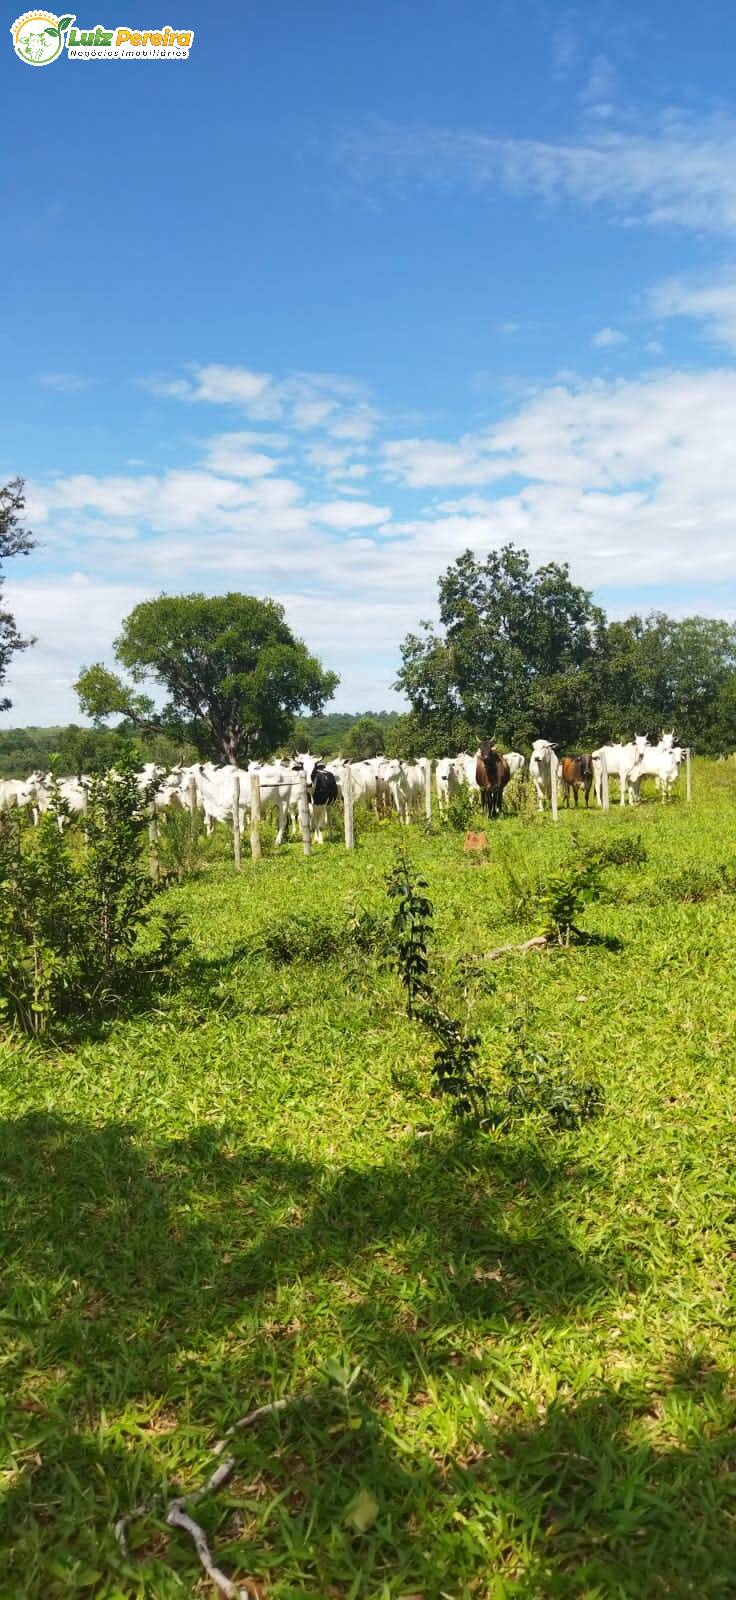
<point x="255" y="788"/>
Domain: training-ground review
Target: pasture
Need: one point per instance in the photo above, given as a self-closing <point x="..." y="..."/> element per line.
<point x="515" y="1350"/>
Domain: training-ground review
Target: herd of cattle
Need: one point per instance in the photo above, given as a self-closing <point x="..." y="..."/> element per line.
<point x="388" y="785"/>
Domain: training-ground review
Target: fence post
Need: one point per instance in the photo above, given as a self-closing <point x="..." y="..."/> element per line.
<point x="304" y="823"/>
<point x="347" y="800"/>
<point x="255" y="817"/>
<point x="688" y="776"/>
<point x="553" y="771"/>
<point x="236" y="820"/>
<point x="605" y="799"/>
<point x="427" y="763"/>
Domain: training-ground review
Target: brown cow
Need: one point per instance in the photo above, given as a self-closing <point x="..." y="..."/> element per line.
<point x="491" y="775"/>
<point x="577" y="773"/>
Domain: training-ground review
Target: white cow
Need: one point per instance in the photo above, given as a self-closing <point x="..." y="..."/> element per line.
<point x="515" y="762"/>
<point x="278" y="786"/>
<point x="403" y="782"/>
<point x="215" y="791"/>
<point x="620" y="759"/>
<point x="448" y="780"/>
<point x="659" y="762"/>
<point x="15" y="792"/>
<point x="465" y="766"/>
<point x="543" y="771"/>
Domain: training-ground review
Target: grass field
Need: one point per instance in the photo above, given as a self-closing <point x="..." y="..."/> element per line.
<point x="517" y="1348"/>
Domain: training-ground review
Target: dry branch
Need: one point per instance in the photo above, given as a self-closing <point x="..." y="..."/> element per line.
<point x="175" y="1512"/>
<point x="540" y="942"/>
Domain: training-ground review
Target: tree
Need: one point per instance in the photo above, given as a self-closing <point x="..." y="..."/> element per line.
<point x="515" y="658"/>
<point x="15" y="540"/>
<point x="659" y="671"/>
<point x="232" y="670"/>
<point x="366" y="738"/>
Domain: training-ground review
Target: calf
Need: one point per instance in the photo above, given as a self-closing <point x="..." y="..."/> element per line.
<point x="577" y="774"/>
<point x="491" y="775"/>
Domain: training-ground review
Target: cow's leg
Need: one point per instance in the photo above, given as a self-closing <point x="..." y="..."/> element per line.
<point x="282" y="812"/>
<point x="576" y="788"/>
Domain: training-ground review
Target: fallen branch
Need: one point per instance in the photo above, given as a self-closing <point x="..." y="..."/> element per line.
<point x="540" y="942"/>
<point x="177" y="1516"/>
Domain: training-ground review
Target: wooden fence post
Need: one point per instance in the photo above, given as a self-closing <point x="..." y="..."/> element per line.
<point x="236" y="820"/>
<point x="553" y="771"/>
<point x="255" y="817"/>
<point x="347" y="800"/>
<point x="688" y="776"/>
<point x="427" y="763"/>
<point x="304" y="823"/>
<point x="605" y="798"/>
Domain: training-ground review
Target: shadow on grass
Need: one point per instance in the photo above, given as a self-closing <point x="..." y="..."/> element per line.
<point x="206" y="1277"/>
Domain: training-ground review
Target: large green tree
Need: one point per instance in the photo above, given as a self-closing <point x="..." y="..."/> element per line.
<point x="514" y="657"/>
<point x="15" y="540"/>
<point x="660" y="671"/>
<point x="232" y="672"/>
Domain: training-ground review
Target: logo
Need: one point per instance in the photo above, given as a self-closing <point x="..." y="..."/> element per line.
<point x="38" y="37"/>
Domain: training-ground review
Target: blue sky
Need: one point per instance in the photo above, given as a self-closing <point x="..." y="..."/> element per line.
<point x="357" y="286"/>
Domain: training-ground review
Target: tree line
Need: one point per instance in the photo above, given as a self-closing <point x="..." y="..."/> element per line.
<point x="519" y="652"/>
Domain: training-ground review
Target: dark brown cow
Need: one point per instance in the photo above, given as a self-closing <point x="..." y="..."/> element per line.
<point x="577" y="773"/>
<point x="491" y="775"/>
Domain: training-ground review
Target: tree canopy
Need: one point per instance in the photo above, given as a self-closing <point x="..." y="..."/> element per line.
<point x="233" y="673"/>
<point x="15" y="540"/>
<point x="524" y="653"/>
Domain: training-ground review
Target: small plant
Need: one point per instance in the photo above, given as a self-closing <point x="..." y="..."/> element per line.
<point x="411" y="927"/>
<point x="455" y="1064"/>
<point x="460" y="810"/>
<point x="565" y="895"/>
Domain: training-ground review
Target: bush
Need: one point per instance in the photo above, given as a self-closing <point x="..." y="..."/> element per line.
<point x="307" y="936"/>
<point x="460" y="811"/>
<point x="621" y="850"/>
<point x="71" y="917"/>
<point x="694" y="884"/>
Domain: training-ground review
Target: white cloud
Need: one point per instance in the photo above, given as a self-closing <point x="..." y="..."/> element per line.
<point x="633" y="483"/>
<point x="64" y="382"/>
<point x="605" y="338"/>
<point x="305" y="401"/>
<point x="682" y="171"/>
<point x="711" y="302"/>
<point x="352" y="514"/>
<point x="233" y="455"/>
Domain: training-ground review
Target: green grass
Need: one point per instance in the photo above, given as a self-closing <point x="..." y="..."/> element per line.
<point x="251" y="1193"/>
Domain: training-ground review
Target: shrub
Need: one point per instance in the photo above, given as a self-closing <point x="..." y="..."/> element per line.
<point x="71" y="918"/>
<point x="306" y="936"/>
<point x="566" y="893"/>
<point x="460" y="810"/>
<point x="533" y="1086"/>
<point x="693" y="884"/>
<point x="621" y="850"/>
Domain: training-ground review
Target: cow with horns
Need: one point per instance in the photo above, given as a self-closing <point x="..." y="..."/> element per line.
<point x="491" y="775"/>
